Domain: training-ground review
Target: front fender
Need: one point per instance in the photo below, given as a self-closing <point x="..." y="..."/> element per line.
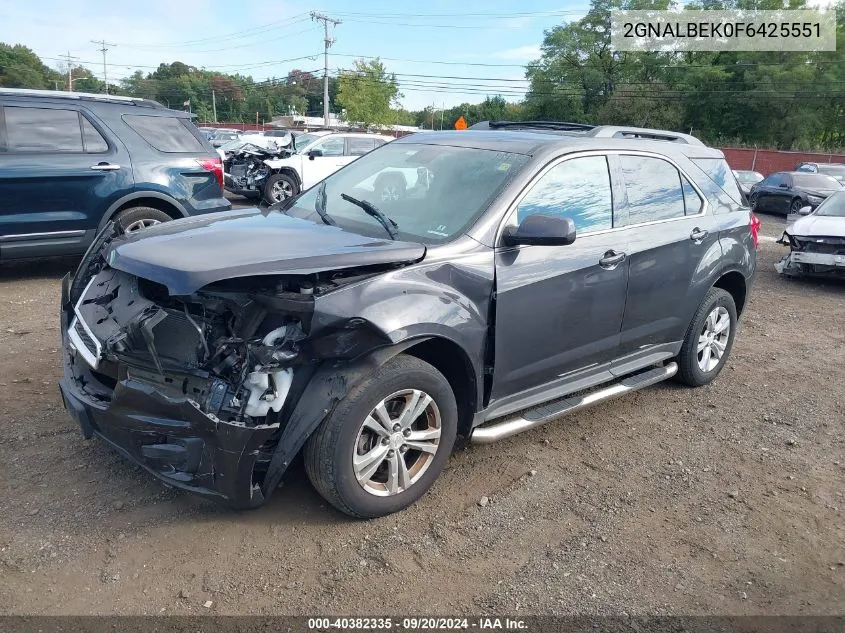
<point x="328" y="386"/>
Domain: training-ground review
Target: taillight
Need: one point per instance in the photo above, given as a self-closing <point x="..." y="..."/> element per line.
<point x="754" y="224"/>
<point x="215" y="166"/>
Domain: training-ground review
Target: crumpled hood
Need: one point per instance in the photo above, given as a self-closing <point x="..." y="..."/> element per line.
<point x="187" y="254"/>
<point x="817" y="225"/>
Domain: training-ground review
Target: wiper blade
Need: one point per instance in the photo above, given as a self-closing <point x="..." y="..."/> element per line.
<point x="388" y="223"/>
<point x="320" y="206"/>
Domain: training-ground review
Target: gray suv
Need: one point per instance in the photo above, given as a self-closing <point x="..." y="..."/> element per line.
<point x="526" y="271"/>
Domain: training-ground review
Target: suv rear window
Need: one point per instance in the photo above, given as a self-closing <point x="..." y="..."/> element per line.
<point x="164" y="133"/>
<point x="654" y="189"/>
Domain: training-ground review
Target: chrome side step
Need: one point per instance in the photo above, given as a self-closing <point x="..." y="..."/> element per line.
<point x="495" y="431"/>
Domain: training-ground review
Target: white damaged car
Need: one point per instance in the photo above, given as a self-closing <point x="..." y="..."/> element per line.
<point x="816" y="240"/>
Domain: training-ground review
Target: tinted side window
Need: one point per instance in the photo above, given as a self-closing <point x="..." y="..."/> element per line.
<point x="331" y="147"/>
<point x="692" y="201"/>
<point x="718" y="171"/>
<point x="93" y="140"/>
<point x="654" y="189"/>
<point x="42" y="130"/>
<point x="164" y="133"/>
<point x="359" y="146"/>
<point x="578" y="189"/>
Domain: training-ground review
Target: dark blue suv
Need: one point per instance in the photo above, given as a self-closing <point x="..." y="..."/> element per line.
<point x="70" y="162"/>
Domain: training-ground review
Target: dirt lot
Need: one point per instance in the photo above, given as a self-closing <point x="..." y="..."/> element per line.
<point x="727" y="499"/>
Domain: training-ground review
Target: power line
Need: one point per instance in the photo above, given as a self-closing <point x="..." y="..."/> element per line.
<point x="70" y="59"/>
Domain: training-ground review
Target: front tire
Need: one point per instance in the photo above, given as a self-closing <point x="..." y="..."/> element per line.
<point x="796" y="206"/>
<point x="708" y="340"/>
<point x="385" y="443"/>
<point x="279" y="187"/>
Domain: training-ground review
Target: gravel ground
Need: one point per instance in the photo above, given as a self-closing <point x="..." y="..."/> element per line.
<point x="722" y="500"/>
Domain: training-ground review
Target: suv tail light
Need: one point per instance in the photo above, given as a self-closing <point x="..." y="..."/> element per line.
<point x="754" y="224"/>
<point x="215" y="166"/>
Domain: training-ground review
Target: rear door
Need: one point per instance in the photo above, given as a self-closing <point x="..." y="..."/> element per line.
<point x="559" y="308"/>
<point x="670" y="233"/>
<point x="60" y="168"/>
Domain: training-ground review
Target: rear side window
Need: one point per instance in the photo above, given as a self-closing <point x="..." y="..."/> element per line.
<point x="653" y="187"/>
<point x="93" y="140"/>
<point x="578" y="189"/>
<point x="359" y="146"/>
<point x="692" y="201"/>
<point x="42" y="130"/>
<point x="718" y="171"/>
<point x="164" y="133"/>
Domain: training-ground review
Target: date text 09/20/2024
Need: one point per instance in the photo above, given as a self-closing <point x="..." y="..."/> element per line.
<point x="416" y="623"/>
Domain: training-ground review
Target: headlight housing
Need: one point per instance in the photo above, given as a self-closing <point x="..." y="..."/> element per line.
<point x="814" y="200"/>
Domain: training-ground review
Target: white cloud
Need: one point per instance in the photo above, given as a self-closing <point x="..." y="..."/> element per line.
<point x="520" y="53"/>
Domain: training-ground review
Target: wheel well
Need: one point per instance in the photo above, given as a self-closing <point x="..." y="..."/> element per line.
<point x="734" y="283"/>
<point x="155" y="203"/>
<point x="289" y="171"/>
<point x="451" y="361"/>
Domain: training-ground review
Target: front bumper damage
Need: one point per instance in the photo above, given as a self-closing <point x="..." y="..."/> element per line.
<point x="812" y="255"/>
<point x="215" y="392"/>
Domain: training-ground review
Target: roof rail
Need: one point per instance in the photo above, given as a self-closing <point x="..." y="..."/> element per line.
<point x="595" y="131"/>
<point x="617" y="131"/>
<point x="90" y="96"/>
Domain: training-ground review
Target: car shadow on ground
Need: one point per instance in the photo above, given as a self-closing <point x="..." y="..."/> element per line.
<point x="44" y="268"/>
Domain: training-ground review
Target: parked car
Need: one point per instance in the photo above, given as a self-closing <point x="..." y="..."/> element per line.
<point x="746" y="179"/>
<point x="836" y="170"/>
<point x="282" y="133"/>
<point x="317" y="155"/>
<point x="816" y="240"/>
<point x="542" y="269"/>
<point x="222" y="136"/>
<point x="207" y="132"/>
<point x="787" y="191"/>
<point x="72" y="162"/>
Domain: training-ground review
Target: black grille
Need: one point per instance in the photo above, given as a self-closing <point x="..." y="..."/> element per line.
<point x="86" y="339"/>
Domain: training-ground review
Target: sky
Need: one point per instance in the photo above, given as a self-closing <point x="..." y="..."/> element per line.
<point x="442" y="52"/>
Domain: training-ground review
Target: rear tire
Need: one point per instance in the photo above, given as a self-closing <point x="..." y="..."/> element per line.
<point x="706" y="345"/>
<point x="367" y="431"/>
<point x="279" y="187"/>
<point x="137" y="218"/>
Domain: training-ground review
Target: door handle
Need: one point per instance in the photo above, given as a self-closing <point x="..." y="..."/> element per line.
<point x="698" y="235"/>
<point x="105" y="167"/>
<point x="611" y="260"/>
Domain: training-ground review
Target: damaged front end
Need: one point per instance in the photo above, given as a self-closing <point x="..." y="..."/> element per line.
<point x="197" y="388"/>
<point x="812" y="255"/>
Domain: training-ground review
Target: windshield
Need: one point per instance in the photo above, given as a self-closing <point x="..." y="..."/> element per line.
<point x="832" y="207"/>
<point x="302" y="140"/>
<point x="432" y="192"/>
<point x="815" y="181"/>
<point x="748" y="176"/>
<point x="837" y="171"/>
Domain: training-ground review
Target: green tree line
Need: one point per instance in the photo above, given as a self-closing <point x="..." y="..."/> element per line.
<point x="786" y="100"/>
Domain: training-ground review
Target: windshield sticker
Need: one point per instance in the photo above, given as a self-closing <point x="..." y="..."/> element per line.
<point x="504" y="166"/>
<point x="440" y="230"/>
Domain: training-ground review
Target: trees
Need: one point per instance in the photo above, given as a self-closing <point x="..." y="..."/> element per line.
<point x="368" y="92"/>
<point x="20" y="67"/>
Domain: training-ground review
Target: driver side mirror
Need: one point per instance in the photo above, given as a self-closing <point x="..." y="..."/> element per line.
<point x="312" y="154"/>
<point x="805" y="210"/>
<point x="541" y="230"/>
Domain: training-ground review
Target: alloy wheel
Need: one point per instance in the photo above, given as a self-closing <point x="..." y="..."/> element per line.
<point x="137" y="225"/>
<point x="713" y="339"/>
<point x="281" y="190"/>
<point x="397" y="442"/>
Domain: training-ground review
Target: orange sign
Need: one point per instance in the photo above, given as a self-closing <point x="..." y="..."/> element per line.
<point x="461" y="123"/>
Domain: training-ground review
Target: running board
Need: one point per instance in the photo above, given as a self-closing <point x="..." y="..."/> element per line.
<point x="486" y="434"/>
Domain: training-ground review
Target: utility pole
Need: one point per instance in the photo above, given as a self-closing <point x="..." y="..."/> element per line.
<point x="441" y="116"/>
<point x="69" y="59"/>
<point x="214" y="105"/>
<point x="328" y="41"/>
<point x="104" y="44"/>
